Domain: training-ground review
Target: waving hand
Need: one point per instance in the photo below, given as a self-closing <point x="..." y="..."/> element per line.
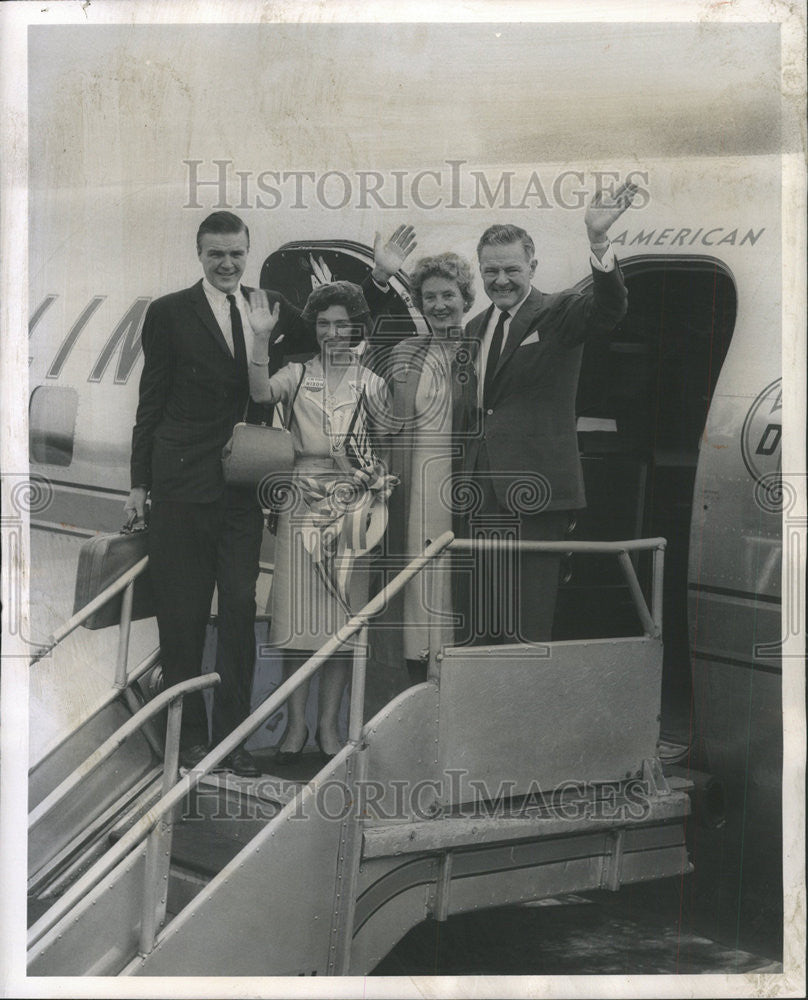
<point x="263" y="319"/>
<point x="388" y="257"/>
<point x="604" y="209"/>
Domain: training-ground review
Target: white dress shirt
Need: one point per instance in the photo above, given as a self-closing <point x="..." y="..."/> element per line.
<point x="606" y="264"/>
<point x="221" y="311"/>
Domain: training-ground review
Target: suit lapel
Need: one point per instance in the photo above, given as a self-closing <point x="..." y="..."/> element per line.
<point x="476" y="329"/>
<point x="520" y="324"/>
<point x="203" y="310"/>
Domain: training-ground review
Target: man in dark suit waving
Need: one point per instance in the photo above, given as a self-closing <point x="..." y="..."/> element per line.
<point x="522" y="451"/>
<point x="193" y="389"/>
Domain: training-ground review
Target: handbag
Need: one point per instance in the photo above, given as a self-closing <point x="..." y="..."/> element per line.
<point x="256" y="451"/>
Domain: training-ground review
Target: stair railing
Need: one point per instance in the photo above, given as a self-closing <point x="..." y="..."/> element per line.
<point x="171" y="697"/>
<point x="124" y="678"/>
<point x="126" y="583"/>
<point x="651" y="619"/>
<point x="148" y="825"/>
<point x="47" y="924"/>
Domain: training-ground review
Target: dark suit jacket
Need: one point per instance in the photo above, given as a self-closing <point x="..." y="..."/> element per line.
<point x="528" y="425"/>
<point x="192" y="393"/>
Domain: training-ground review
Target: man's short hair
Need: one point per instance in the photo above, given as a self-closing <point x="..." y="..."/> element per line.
<point x="503" y="235"/>
<point x="447" y="265"/>
<point x="221" y="222"/>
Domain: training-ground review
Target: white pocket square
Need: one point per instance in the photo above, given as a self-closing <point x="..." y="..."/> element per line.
<point x="533" y="338"/>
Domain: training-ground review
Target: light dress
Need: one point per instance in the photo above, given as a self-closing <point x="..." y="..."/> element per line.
<point x="429" y="510"/>
<point x="304" y="610"/>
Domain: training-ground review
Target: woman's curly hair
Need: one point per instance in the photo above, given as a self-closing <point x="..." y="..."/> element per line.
<point x="448" y="265"/>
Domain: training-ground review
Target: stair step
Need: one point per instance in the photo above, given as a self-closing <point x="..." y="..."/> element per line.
<point x="221" y="814"/>
<point x="266" y="788"/>
<point x="76" y="856"/>
<point x="205" y="845"/>
<point x="302" y="770"/>
<point x="183" y="886"/>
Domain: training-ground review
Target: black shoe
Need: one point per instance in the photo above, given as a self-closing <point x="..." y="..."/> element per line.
<point x="243" y="763"/>
<point x="285" y="757"/>
<point x="324" y="757"/>
<point x="190" y="756"/>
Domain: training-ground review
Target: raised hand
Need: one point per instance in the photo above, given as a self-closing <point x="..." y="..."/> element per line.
<point x="388" y="257"/>
<point x="263" y="319"/>
<point x="604" y="209"/>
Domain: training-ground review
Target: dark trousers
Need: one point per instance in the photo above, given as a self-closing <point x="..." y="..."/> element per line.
<point x="192" y="547"/>
<point x="504" y="597"/>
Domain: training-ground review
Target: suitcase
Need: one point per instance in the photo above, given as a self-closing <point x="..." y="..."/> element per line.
<point x="101" y="561"/>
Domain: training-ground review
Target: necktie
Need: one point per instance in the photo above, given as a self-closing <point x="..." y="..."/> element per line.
<point x="493" y="354"/>
<point x="236" y="328"/>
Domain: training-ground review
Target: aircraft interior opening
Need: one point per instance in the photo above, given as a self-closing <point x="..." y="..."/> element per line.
<point x="653" y="382"/>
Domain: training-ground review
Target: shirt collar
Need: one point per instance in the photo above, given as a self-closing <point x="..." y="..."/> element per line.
<point x="514" y="309"/>
<point x="356" y="352"/>
<point x="216" y="294"/>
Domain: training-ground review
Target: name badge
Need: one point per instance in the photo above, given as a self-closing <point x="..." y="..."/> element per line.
<point x="313" y="382"/>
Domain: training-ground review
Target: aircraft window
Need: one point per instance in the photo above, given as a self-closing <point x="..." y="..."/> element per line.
<point x="52" y="424"/>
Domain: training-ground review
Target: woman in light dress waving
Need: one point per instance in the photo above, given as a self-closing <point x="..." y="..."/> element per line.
<point x="335" y="410"/>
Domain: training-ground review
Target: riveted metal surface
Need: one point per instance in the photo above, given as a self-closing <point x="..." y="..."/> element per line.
<point x="398" y="891"/>
<point x="347" y="873"/>
<point x="733" y="626"/>
<point x="588" y="712"/>
<point x="101" y="933"/>
<point x="123" y="769"/>
<point x="571" y="819"/>
<point x="394" y="896"/>
<point x="504" y="885"/>
<point x="500" y="874"/>
<point x="92" y="841"/>
<point x="280" y="893"/>
<point x="274" y="898"/>
<point x="402" y="745"/>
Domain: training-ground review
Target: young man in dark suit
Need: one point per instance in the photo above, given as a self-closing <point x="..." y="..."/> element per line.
<point x="193" y="390"/>
<point x="521" y="451"/>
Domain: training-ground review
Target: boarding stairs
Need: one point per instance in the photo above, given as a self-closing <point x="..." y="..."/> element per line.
<point x="514" y="773"/>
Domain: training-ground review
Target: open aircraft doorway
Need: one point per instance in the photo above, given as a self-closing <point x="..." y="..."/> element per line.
<point x="642" y="407"/>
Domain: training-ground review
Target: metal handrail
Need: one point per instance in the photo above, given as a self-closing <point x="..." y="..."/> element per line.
<point x="593" y="547"/>
<point x="123" y="680"/>
<point x="651" y="619"/>
<point x="137" y="672"/>
<point x="174" y="697"/>
<point x="118" y="738"/>
<point x="148" y="824"/>
<point x="126" y="579"/>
